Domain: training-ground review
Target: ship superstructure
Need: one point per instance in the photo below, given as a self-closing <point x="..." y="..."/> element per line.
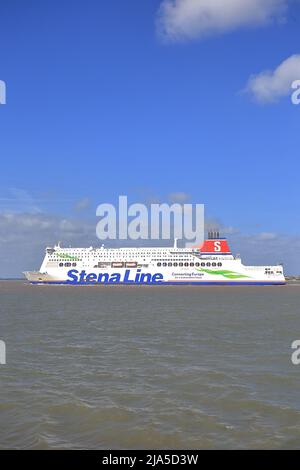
<point x="211" y="263"/>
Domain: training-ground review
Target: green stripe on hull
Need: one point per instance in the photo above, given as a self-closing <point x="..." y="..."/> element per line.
<point x="225" y="273"/>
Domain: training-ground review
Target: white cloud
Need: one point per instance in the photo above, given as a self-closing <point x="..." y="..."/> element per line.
<point x="82" y="204"/>
<point x="24" y="236"/>
<point x="179" y="197"/>
<point x="18" y="200"/>
<point x="267" y="236"/>
<point x="190" y="19"/>
<point x="269" y="86"/>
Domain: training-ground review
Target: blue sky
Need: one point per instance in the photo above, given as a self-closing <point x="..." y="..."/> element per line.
<point x="104" y="99"/>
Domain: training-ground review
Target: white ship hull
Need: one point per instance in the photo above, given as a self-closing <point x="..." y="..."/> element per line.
<point x="116" y="277"/>
<point x="211" y="264"/>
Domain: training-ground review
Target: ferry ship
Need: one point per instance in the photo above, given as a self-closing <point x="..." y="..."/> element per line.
<point x="212" y="263"/>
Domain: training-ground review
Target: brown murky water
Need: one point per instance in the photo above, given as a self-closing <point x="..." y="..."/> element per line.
<point x="149" y="367"/>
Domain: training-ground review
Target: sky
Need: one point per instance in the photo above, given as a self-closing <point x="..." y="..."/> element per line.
<point x="160" y="100"/>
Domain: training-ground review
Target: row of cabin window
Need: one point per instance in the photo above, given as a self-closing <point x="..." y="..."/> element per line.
<point x="67" y="265"/>
<point x="208" y="265"/>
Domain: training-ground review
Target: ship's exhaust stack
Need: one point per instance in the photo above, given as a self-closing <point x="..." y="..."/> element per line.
<point x="214" y="244"/>
<point x="213" y="234"/>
